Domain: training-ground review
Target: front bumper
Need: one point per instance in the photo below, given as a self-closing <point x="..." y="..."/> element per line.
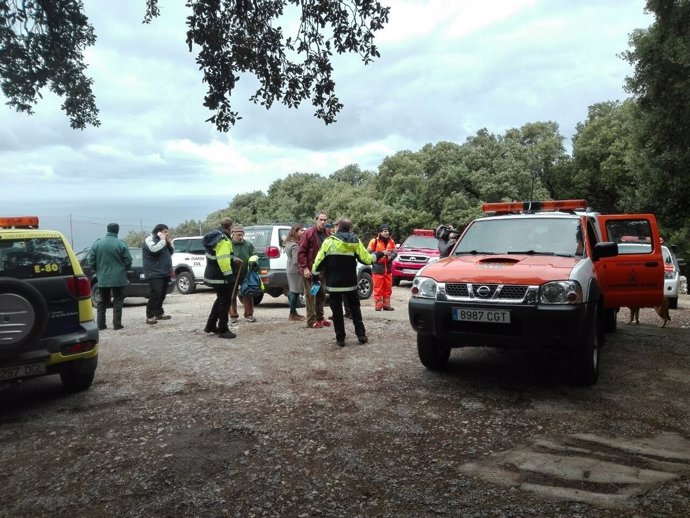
<point x="530" y="327"/>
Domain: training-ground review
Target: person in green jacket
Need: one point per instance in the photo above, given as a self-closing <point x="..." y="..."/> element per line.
<point x="243" y="250"/>
<point x="110" y="259"/>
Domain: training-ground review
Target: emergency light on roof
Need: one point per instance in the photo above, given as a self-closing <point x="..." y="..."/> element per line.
<point x="422" y="232"/>
<point x="533" y="206"/>
<point x="19" y="222"/>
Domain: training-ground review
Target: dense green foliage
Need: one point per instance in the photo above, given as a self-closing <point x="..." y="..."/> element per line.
<point x="42" y="43"/>
<point x="447" y="182"/>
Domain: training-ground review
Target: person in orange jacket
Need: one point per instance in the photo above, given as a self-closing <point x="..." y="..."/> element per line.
<point x="382" y="268"/>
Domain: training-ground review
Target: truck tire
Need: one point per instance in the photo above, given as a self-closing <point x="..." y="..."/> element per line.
<point x="673" y="303"/>
<point x="365" y="285"/>
<point x="185" y="283"/>
<point x="587" y="355"/>
<point x="433" y="354"/>
<point x="610" y="320"/>
<point x="95" y="294"/>
<point x="396" y="281"/>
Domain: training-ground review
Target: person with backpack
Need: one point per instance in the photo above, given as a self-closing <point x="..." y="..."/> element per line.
<point x="243" y="250"/>
<point x="381" y="270"/>
<point x="219" y="276"/>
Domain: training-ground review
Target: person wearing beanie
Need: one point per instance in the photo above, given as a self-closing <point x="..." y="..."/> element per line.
<point x="219" y="276"/>
<point x="382" y="271"/>
<point x="110" y="259"/>
<point x="244" y="251"/>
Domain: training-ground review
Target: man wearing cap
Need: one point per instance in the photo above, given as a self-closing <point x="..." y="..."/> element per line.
<point x="244" y="251"/>
<point x="381" y="270"/>
<point x="110" y="259"/>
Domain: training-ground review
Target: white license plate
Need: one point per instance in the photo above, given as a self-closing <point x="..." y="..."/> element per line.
<point x="19" y="371"/>
<point x="481" y="315"/>
<point x="409" y="270"/>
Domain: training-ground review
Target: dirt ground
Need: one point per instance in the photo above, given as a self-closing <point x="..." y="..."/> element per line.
<point x="281" y="422"/>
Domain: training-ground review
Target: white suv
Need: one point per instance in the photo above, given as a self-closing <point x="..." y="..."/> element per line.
<point x="268" y="243"/>
<point x="189" y="263"/>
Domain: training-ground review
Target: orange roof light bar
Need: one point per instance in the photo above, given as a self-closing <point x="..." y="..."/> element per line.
<point x="19" y="222"/>
<point x="527" y="206"/>
<point x="422" y="232"/>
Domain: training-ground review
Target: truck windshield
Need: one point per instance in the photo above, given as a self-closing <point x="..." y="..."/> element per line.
<point x="548" y="236"/>
<point x="420" y="242"/>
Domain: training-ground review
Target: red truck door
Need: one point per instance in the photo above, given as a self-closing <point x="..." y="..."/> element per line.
<point x="635" y="277"/>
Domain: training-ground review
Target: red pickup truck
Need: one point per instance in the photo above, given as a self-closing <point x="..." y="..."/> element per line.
<point x="533" y="275"/>
<point x="418" y="250"/>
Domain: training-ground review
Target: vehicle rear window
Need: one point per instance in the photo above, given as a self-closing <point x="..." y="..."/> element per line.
<point x="260" y="237"/>
<point x="420" y="242"/>
<point x="34" y="258"/>
<point x="137" y="257"/>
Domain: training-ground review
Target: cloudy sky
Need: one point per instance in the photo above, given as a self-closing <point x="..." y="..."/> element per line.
<point x="447" y="69"/>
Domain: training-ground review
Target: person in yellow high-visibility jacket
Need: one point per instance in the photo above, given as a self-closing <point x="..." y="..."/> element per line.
<point x="219" y="275"/>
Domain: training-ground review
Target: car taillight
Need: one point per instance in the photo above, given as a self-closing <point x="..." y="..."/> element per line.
<point x="79" y="286"/>
<point x="272" y="252"/>
<point x="81" y="347"/>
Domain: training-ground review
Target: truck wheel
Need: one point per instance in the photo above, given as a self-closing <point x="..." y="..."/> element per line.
<point x="185" y="283"/>
<point x="610" y="320"/>
<point x="365" y="285"/>
<point x="432" y="353"/>
<point x="673" y="303"/>
<point x="258" y="298"/>
<point x="587" y="356"/>
<point x="396" y="281"/>
<point x="95" y="295"/>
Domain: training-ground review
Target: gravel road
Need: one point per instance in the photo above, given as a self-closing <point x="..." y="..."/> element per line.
<point x="281" y="422"/>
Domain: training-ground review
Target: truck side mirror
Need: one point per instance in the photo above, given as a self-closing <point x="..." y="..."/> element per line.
<point x="605" y="249"/>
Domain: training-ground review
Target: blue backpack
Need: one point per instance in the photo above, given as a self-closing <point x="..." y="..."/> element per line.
<point x="252" y="284"/>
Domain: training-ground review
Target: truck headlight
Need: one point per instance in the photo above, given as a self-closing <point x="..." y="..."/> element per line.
<point x="424" y="287"/>
<point x="560" y="292"/>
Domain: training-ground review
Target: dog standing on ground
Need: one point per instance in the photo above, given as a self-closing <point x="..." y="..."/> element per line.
<point x="662" y="311"/>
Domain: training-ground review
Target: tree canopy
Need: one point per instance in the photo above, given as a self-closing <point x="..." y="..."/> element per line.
<point x="42" y="44"/>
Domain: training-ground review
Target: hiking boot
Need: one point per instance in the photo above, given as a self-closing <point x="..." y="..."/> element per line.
<point x="101" y="328"/>
<point x="295" y="317"/>
<point x="348" y="315"/>
<point x="163" y="317"/>
<point x="362" y="339"/>
<point x="341" y="343"/>
<point x="151" y="320"/>
<point x="389" y="308"/>
<point x="118" y="327"/>
<point x="211" y="330"/>
<point x="226" y="334"/>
